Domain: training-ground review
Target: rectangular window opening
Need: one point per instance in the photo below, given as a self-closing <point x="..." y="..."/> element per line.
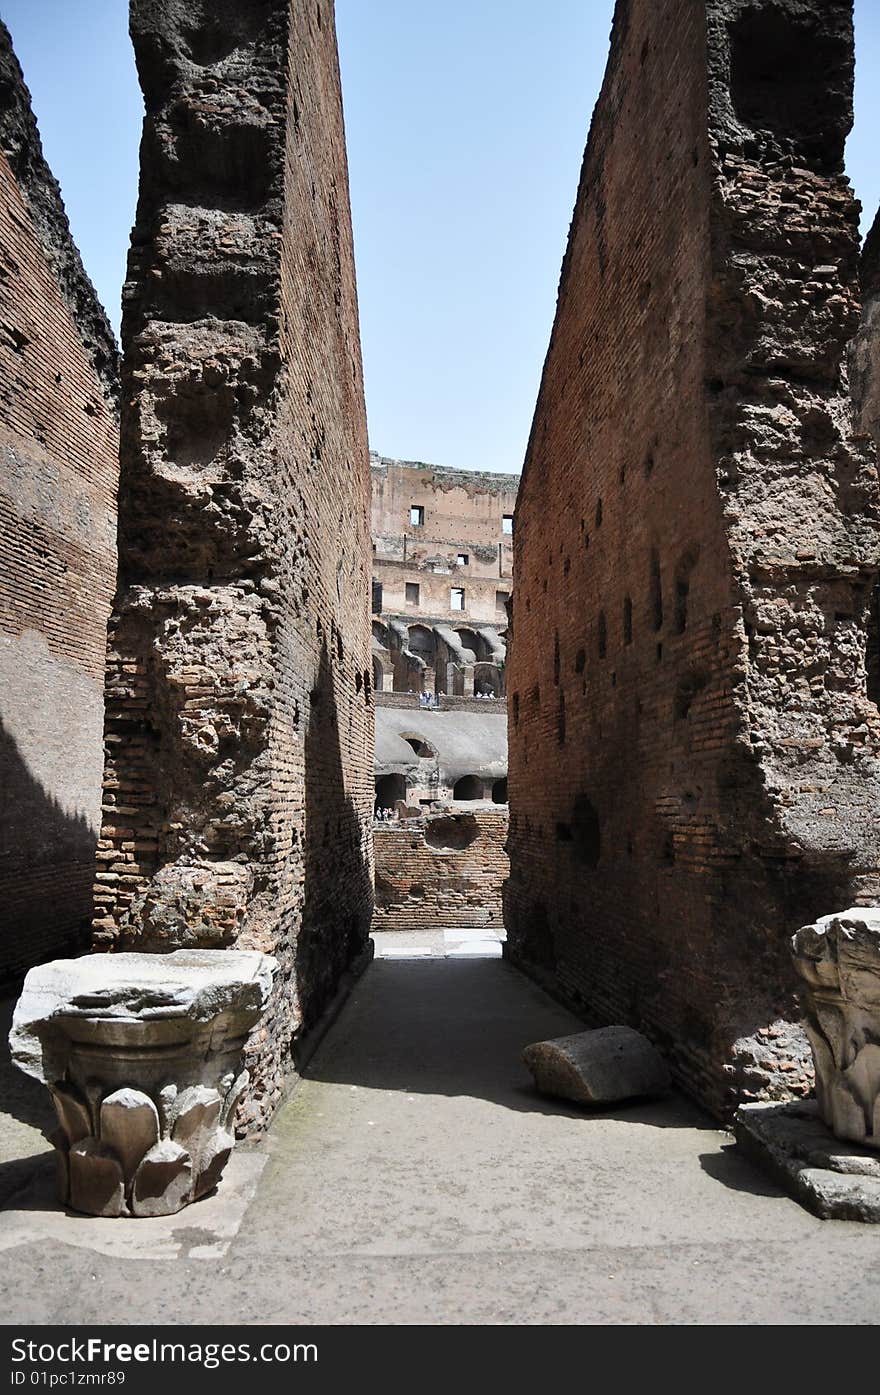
<point x="412" y="593"/>
<point x="463" y="559"/>
<point x="507" y="523"/>
<point x="456" y="598"/>
<point x="416" y="516"/>
<point x="501" y="599"/>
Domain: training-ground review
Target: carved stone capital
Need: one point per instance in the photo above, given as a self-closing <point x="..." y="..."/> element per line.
<point x="838" y="960"/>
<point x="142" y="1056"/>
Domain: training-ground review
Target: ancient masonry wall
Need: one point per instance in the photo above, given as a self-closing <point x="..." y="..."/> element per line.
<point x="864" y="377"/>
<point x="238" y="784"/>
<point x="693" y="754"/>
<point x="444" y="871"/>
<point x="462" y="516"/>
<point x="58" y="477"/>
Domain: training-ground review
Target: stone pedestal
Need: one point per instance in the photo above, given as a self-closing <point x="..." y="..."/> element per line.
<point x="142" y="1056"/>
<point x="789" y="1142"/>
<point x="824" y="1152"/>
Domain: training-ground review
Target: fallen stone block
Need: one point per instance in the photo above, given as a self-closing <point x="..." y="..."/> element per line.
<point x="598" y="1067"/>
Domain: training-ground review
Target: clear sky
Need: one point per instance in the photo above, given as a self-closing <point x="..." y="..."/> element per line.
<point x="466" y="122"/>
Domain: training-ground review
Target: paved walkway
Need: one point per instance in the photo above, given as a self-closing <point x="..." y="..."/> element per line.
<point x="483" y="943"/>
<point x="414" y="1176"/>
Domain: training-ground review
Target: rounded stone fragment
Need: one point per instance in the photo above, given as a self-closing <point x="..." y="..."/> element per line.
<point x="72" y="1111"/>
<point x="213" y="1161"/>
<point x="129" y="1126"/>
<point x="97" y="1186"/>
<point x="196" y="1121"/>
<point x="163" y="1182"/>
<point x="598" y="1067"/>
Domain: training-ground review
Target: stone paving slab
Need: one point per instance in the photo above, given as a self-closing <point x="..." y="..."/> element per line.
<point x="833" y="1179"/>
<point x="467" y="942"/>
<point x="203" y="1230"/>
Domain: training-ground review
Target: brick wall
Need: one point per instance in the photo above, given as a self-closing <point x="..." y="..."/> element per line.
<point x="58" y="474"/>
<point x="692" y="752"/>
<point x="441" y="872"/>
<point x="238" y="784"/>
<point x="462" y="513"/>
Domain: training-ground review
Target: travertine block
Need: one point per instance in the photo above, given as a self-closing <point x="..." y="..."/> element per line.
<point x="613" y="1063"/>
<point x="142" y="1055"/>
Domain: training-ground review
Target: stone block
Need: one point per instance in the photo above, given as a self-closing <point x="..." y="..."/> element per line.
<point x="793" y="1146"/>
<point x="598" y="1067"/>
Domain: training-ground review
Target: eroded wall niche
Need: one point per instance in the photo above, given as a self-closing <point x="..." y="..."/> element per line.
<point x="714" y="783"/>
<point x="238" y="786"/>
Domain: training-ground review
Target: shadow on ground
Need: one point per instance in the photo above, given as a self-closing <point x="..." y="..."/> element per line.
<point x="734" y="1171"/>
<point x="458" y="1027"/>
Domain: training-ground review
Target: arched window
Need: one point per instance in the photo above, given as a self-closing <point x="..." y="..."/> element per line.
<point x="389" y="789"/>
<point x="422" y="748"/>
<point x="468" y="787"/>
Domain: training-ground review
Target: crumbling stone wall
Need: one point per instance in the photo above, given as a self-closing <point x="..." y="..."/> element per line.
<point x="444" y="871"/>
<point x="238" y="784"/>
<point x="693" y="754"/>
<point x="58" y="476"/>
<point x="864" y="376"/>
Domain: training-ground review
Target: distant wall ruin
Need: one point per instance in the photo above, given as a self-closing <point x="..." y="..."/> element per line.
<point x="58" y="477"/>
<point x="693" y="753"/>
<point x="443" y="871"/>
<point x="238" y="784"/>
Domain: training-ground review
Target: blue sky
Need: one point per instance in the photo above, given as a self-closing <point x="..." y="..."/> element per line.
<point x="466" y="122"/>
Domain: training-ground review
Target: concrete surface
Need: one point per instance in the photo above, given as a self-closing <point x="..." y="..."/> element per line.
<point x="415" y="1176"/>
<point x="467" y="743"/>
<point x="482" y="943"/>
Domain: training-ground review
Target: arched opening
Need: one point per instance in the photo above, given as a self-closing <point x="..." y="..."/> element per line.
<point x="389" y="789"/>
<point x="409" y="673"/>
<point x="377" y="675"/>
<point x="468" y="787"/>
<point x="421" y="642"/>
<point x="488" y="681"/>
<point x="470" y="640"/>
<point x="499" y="791"/>
<point x="423" y="749"/>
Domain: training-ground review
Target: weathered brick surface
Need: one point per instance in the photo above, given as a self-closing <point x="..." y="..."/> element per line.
<point x="58" y="475"/>
<point x="238" y="785"/>
<point x="444" y="871"/>
<point x="693" y="757"/>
